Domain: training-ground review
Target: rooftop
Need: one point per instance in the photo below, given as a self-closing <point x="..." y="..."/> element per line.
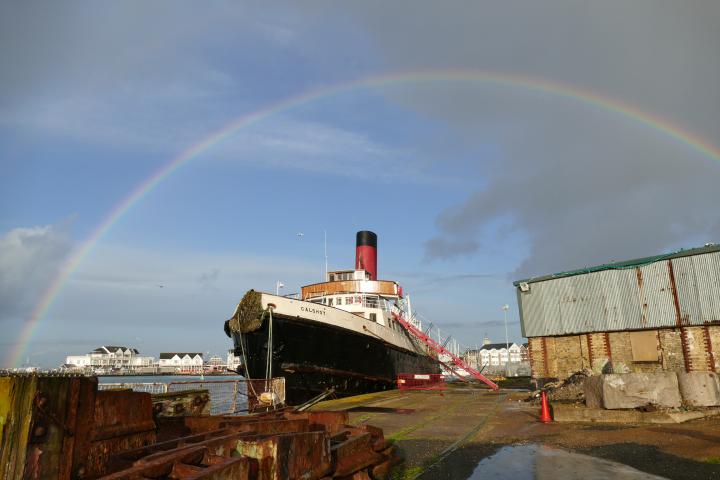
<point x="167" y="355"/>
<point x="113" y="349"/>
<point x="638" y="262"/>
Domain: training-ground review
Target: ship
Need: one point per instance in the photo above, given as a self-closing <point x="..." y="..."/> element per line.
<point x="341" y="335"/>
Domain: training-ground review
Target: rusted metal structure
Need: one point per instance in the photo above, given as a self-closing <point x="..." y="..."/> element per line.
<point x="63" y="427"/>
<point x="650" y="314"/>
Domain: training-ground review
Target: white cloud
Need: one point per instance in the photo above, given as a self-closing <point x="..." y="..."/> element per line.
<point x="29" y="260"/>
<point x="169" y="299"/>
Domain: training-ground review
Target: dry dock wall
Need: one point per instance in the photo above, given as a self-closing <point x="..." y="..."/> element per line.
<point x="680" y="349"/>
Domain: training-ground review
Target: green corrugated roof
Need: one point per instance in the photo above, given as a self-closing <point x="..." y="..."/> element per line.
<point x="638" y="262"/>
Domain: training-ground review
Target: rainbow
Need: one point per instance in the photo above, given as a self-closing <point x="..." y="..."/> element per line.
<point x="512" y="81"/>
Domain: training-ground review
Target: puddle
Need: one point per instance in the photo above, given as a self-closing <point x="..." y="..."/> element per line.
<point x="531" y="462"/>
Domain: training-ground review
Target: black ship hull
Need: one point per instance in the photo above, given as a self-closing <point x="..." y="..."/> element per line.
<point x="313" y="356"/>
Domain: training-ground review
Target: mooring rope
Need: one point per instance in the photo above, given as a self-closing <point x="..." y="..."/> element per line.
<point x="245" y="364"/>
<point x="268" y="362"/>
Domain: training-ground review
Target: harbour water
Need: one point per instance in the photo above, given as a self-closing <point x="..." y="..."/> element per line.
<point x="228" y="393"/>
<point x="165" y="378"/>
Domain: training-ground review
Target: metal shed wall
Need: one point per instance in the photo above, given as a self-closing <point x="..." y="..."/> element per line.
<point x="678" y="291"/>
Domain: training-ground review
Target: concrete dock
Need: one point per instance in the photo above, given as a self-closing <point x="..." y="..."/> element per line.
<point x="446" y="434"/>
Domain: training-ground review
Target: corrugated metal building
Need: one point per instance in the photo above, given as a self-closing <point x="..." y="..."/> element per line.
<point x="650" y="314"/>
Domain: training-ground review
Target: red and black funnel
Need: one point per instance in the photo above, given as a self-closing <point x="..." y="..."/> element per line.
<point x="366" y="253"/>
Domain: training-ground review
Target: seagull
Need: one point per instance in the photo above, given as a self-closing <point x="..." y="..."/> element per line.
<point x="300" y="235"/>
<point x="161" y="286"/>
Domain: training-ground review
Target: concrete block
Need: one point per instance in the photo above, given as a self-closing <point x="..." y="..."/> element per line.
<point x="699" y="389"/>
<point x="632" y="390"/>
<point x="593" y="391"/>
<point x="573" y="413"/>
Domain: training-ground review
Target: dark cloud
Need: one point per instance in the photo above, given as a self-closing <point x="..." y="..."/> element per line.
<point x="581" y="184"/>
<point x="439" y="247"/>
<point x="209" y="279"/>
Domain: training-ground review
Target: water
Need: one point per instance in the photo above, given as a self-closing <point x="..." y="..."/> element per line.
<point x="540" y="462"/>
<point x="226" y="396"/>
<point x="166" y="378"/>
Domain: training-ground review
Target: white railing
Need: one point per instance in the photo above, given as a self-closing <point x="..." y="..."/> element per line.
<point x="155" y="387"/>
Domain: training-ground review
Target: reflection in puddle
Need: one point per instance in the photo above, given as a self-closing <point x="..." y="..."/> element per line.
<point x="531" y="462"/>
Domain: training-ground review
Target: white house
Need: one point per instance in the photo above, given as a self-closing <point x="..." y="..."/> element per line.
<point x="184" y="362"/>
<point x="233" y="361"/>
<point x="110" y="357"/>
<point x="495" y="354"/>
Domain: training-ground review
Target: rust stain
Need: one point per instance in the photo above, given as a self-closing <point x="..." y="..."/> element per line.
<point x="676" y="301"/>
<point x="708" y="348"/>
<point x="608" y="351"/>
<point x="640" y="283"/>
<point x="685" y="350"/>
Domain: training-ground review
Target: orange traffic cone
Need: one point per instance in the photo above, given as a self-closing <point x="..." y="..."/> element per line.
<point x="545" y="416"/>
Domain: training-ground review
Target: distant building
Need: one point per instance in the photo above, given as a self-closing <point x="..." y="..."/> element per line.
<point x="647" y="315"/>
<point x="181" y="362"/>
<point x="494" y="354"/>
<point x="110" y="357"/>
<point x="233" y="361"/>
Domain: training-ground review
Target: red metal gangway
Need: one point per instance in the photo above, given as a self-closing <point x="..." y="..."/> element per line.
<point x="439" y="349"/>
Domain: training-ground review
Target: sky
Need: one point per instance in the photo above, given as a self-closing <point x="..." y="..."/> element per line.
<point x="470" y="184"/>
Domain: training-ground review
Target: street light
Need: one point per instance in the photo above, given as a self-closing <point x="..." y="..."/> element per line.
<point x="505" y="309"/>
<point x="278" y="286"/>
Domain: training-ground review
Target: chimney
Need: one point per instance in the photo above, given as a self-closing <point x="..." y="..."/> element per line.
<point x="366" y="253"/>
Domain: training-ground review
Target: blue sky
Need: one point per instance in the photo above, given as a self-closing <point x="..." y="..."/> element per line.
<point x="468" y="186"/>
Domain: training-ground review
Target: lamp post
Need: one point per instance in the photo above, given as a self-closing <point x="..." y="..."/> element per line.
<point x="278" y="286"/>
<point x="505" y="309"/>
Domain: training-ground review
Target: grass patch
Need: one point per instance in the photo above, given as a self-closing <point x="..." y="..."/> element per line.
<point x="402" y="473"/>
<point x="713" y="460"/>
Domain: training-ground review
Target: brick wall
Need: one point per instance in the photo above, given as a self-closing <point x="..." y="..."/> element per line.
<point x="599" y="351"/>
<point x="714" y="335"/>
<point x="535" y="354"/>
<point x="569" y="355"/>
<point x="694" y="348"/>
<point x="671" y="350"/>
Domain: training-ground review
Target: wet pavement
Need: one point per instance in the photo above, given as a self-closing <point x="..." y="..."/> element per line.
<point x="540" y="462"/>
<point x="472" y="433"/>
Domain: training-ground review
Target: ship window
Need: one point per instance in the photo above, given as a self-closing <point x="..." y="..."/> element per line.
<point x="330" y="302"/>
<point x="348" y="300"/>
<point x="373" y="317"/>
<point x="339" y="300"/>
